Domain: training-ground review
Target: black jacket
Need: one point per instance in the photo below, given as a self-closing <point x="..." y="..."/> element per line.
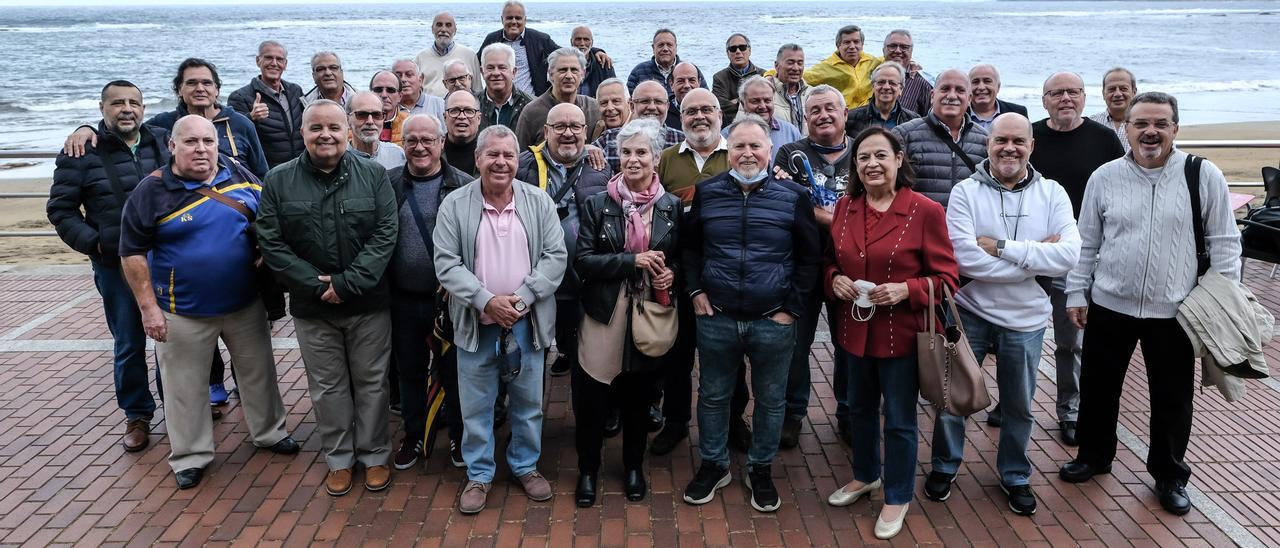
<point x="602" y="263"/>
<point x="85" y="183"/>
<point x="537" y="46"/>
<point x="866" y="116"/>
<point x="589" y="183"/>
<point x="281" y="131"/>
<point x="724" y="84"/>
<point x="753" y="254"/>
<point x="1006" y="106"/>
<point x="488" y="117"/>
<point x="595" y="74"/>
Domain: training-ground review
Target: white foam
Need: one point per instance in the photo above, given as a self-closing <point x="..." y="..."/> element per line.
<point x="1127" y="13"/>
<point x="807" y="19"/>
<point x="94" y="27"/>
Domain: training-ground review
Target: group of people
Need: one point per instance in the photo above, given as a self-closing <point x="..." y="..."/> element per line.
<point x="544" y="202"/>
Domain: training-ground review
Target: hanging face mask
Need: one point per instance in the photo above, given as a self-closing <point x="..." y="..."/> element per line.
<point x="745" y="181"/>
<point x="863" y="302"/>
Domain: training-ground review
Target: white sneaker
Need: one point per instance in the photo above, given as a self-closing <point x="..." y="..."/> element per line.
<point x="844" y="497"/>
<point x="887" y="530"/>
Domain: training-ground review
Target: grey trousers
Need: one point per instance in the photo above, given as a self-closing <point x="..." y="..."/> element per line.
<point x="346" y="361"/>
<point x="184" y="365"/>
<point x="1068" y="342"/>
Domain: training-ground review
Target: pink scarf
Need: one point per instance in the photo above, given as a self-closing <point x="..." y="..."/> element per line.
<point x="634" y="206"/>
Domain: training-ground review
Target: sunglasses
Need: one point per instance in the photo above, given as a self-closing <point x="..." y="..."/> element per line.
<point x="738" y="48"/>
<point x="362" y="114"/>
<point x="385" y="89"/>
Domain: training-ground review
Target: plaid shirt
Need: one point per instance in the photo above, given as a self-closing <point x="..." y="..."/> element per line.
<point x="608" y="142"/>
<point x="917" y="93"/>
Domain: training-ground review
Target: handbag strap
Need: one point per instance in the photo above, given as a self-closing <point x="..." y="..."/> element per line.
<point x="1192" y="175"/>
<point x="945" y="134"/>
<point x="932" y="320"/>
<point x="955" y="312"/>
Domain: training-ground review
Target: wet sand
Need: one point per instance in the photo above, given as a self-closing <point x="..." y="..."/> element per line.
<point x="28" y="214"/>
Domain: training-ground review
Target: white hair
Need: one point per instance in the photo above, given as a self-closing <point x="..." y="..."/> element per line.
<point x="498" y="47"/>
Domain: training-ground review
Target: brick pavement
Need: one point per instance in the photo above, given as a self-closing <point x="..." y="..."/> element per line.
<point x="65" y="480"/>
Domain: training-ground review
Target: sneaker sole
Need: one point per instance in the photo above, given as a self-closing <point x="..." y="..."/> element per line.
<point x="1015" y="510"/>
<point x="333" y="493"/>
<point x="399" y="466"/>
<point x="767" y="508"/>
<point x="944" y="497"/>
<point x="724" y="482"/>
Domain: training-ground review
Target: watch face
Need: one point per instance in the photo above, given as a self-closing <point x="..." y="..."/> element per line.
<point x="520" y="306"/>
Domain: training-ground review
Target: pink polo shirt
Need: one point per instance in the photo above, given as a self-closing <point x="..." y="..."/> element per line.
<point x="502" y="252"/>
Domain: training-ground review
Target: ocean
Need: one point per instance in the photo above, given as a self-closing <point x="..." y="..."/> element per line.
<point x="1219" y="58"/>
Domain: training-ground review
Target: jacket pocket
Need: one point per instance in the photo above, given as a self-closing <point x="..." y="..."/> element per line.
<point x="297" y="224"/>
<point x="358" y="215"/>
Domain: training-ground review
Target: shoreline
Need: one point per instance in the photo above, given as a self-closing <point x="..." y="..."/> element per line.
<point x="21" y="214"/>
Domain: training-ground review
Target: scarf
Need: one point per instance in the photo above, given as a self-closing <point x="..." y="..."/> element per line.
<point x="822" y="149"/>
<point x="634" y="206"/>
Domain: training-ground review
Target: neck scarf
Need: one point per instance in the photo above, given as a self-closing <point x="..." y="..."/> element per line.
<point x="634" y="206"/>
<point x="822" y="149"/>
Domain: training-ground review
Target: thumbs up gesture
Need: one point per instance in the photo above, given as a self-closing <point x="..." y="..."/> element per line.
<point x="259" y="111"/>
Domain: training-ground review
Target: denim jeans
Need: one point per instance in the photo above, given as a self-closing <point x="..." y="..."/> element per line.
<point x="799" y="383"/>
<point x="1017" y="360"/>
<point x="722" y="343"/>
<point x="1068" y="344"/>
<point x="133" y="394"/>
<point x="478" y="374"/>
<point x="897" y="381"/>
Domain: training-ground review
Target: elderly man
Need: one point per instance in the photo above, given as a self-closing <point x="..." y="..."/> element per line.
<point x="412" y="97"/>
<point x="684" y="78"/>
<point x="419" y="186"/>
<point x="462" y="124"/>
<point x="756" y="98"/>
<point x="660" y="66"/>
<point x="1118" y="88"/>
<point x="726" y="83"/>
<point x="560" y="168"/>
<point x="885" y="108"/>
<point x="328" y="229"/>
<point x="701" y="155"/>
<point x="274" y="104"/>
<point x="584" y="41"/>
<point x="365" y="118"/>
<point x="1068" y="149"/>
<point x="789" y="85"/>
<point x="751" y="258"/>
<point x="1004" y="309"/>
<point x="916" y="89"/>
<point x="457" y="76"/>
<point x="531" y="49"/>
<point x="984" y="80"/>
<point x="648" y="101"/>
<point x="945" y="146"/>
<point x="326" y="71"/>
<point x="848" y="69"/>
<point x="387" y="86"/>
<point x="501" y="103"/>
<point x="615" y="103"/>
<point x="822" y="164"/>
<point x="85" y="201"/>
<point x="187" y="252"/>
<point x="432" y="60"/>
<point x="565" y="69"/>
<point x="499" y="252"/>
<point x="1137" y="266"/>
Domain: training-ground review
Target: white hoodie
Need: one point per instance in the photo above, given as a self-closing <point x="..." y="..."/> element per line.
<point x="1003" y="289"/>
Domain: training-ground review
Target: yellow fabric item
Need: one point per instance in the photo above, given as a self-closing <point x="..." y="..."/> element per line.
<point x="854" y="81"/>
<point x="542" y="164"/>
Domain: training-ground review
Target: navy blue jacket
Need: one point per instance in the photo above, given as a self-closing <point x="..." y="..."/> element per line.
<point x="648" y="70"/>
<point x="537" y="46"/>
<point x="237" y="136"/>
<point x="281" y="131"/>
<point x="753" y="254"/>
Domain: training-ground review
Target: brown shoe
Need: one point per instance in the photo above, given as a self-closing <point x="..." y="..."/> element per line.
<point x="136" y="435"/>
<point x="338" y="482"/>
<point x="473" y="497"/>
<point x="377" y="478"/>
<point x="536" y="486"/>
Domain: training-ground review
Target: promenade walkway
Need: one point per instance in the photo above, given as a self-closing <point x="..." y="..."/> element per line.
<point x="64" y="479"/>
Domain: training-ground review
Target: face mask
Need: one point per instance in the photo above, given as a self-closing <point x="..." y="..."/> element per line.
<point x="743" y="180"/>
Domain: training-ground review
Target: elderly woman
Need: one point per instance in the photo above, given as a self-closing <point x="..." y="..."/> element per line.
<point x="895" y="239"/>
<point x="884" y="109"/>
<point x="627" y="248"/>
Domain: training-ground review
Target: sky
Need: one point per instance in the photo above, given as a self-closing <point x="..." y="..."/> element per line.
<point x="49" y="3"/>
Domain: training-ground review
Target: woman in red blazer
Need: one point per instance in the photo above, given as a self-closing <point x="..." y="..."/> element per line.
<point x="895" y="239"/>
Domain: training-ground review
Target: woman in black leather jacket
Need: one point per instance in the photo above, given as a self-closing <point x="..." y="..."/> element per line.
<point x="627" y="248"/>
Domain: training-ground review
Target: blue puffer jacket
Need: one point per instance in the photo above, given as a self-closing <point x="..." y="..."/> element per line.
<point x="753" y="254"/>
<point x="237" y="136"/>
<point x="937" y="168"/>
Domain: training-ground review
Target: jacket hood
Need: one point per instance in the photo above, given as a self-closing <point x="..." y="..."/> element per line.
<point x="984" y="176"/>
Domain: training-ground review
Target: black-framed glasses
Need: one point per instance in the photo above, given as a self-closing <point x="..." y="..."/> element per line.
<point x="567" y="128"/>
<point x="694" y="111"/>
<point x="363" y="114"/>
<point x="462" y="112"/>
<point x="456" y="79"/>
<point x="1073" y="93"/>
<point x="385" y="89"/>
<point x="737" y="48"/>
<point x="428" y="142"/>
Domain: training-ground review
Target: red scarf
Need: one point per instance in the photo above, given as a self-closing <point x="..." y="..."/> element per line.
<point x="634" y="206"/>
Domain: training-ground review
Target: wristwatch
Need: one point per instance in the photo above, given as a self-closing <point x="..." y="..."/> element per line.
<point x="520" y="306"/>
<point x="999" y="248"/>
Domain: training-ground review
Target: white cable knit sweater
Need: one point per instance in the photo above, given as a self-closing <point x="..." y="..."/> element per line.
<point x="1138" y="253"/>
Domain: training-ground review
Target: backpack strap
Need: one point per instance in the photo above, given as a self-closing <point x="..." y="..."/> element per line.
<point x="1192" y="175"/>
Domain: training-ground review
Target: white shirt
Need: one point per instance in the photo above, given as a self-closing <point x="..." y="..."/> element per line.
<point x="698" y="159"/>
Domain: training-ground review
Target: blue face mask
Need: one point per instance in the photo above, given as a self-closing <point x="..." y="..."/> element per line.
<point x="745" y="181"/>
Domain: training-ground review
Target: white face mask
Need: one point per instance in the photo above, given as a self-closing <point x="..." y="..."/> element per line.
<point x="743" y="180"/>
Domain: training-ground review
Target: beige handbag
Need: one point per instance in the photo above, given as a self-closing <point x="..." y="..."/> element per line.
<point x="950" y="376"/>
<point x="653" y="325"/>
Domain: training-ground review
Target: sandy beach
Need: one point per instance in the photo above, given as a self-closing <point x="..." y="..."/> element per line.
<point x="27" y="214"/>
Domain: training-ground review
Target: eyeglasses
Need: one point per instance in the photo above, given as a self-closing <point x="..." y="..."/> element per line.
<point x="428" y="142"/>
<point x="456" y="79"/>
<point x="898" y="47"/>
<point x="385" y="89"/>
<point x="567" y="128"/>
<point x="461" y="112"/>
<point x="884" y="83"/>
<point x="329" y="68"/>
<point x="738" y="48"/>
<point x="363" y="114"/>
<point x="654" y="101"/>
<point x="1073" y="93"/>
<point x="199" y="83"/>
<point x="1161" y="124"/>
<point x="694" y="111"/>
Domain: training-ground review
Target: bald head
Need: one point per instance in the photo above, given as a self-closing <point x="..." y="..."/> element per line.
<point x="649" y="100"/>
<point x="194" y="147"/>
<point x="1063" y="100"/>
<point x="1012" y="123"/>
<point x="1009" y="148"/>
<point x="984" y="81"/>
<point x="565" y="133"/>
<point x="684" y="78"/>
<point x="192" y="124"/>
<point x="951" y="93"/>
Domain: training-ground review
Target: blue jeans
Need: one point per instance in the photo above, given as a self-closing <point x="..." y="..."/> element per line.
<point x="898" y="382"/>
<point x="1017" y="360"/>
<point x="722" y="343"/>
<point x="133" y="394"/>
<point x="478" y="374"/>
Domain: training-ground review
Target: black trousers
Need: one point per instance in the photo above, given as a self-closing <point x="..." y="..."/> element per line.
<point x="568" y="318"/>
<point x="677" y="379"/>
<point x="412" y="319"/>
<point x="1109" y="341"/>
<point x="593" y="402"/>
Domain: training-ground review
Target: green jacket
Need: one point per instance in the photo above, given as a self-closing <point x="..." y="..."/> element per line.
<point x="346" y="230"/>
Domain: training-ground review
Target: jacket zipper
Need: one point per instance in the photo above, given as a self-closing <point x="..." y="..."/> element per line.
<point x="742" y="254"/>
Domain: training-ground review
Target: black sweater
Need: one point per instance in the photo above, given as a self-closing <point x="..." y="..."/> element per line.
<point x="1070" y="157"/>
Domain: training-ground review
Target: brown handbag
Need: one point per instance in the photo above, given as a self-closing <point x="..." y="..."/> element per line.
<point x="950" y="376"/>
<point x="653" y="325"/>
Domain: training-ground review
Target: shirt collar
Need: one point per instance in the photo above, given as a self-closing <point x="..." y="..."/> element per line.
<point x="447" y="48"/>
<point x="519" y="39"/>
<point x="974" y="114"/>
<point x="684" y="146"/>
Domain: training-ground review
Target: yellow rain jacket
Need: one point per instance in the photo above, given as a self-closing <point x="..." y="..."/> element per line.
<point x="853" y="80"/>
